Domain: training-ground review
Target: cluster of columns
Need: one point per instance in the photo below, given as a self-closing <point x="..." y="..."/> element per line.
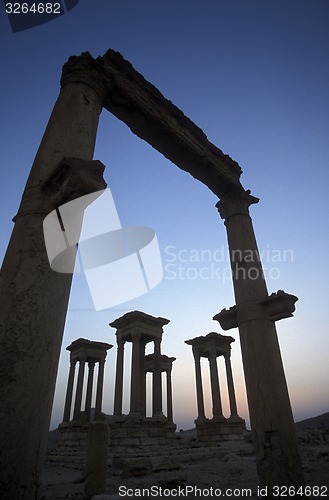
<point x="84" y="351"/>
<point x="138" y="328"/>
<point x="211" y="346"/>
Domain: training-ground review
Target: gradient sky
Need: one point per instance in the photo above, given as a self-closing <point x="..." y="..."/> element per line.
<point x="254" y="75"/>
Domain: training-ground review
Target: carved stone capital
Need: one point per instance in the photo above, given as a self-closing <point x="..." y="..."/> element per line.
<point x="277" y="306"/>
<point x="235" y="202"/>
<point x="73" y="178"/>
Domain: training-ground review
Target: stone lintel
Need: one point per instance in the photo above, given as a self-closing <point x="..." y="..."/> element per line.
<point x="137" y="323"/>
<point x="278" y="305"/>
<point x="211" y="343"/>
<point x="166" y="362"/>
<point x="89" y="350"/>
<point x="158" y="121"/>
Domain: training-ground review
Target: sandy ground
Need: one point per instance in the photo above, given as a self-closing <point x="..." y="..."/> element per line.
<point x="230" y="476"/>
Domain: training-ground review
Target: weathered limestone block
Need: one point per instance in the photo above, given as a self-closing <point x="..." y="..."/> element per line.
<point x="137" y="467"/>
<point x="96" y="467"/>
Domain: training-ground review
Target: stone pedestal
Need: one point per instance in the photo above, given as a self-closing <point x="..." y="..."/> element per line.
<point x="212" y="431"/>
<point x="132" y="435"/>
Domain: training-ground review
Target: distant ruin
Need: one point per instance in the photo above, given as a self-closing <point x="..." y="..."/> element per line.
<point x="218" y="428"/>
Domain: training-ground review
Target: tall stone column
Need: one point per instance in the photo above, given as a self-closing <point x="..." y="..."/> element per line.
<point x="157" y="379"/>
<point x="215" y="390"/>
<point x="91" y="367"/>
<point x="142" y="375"/>
<point x="199" y="388"/>
<point x="135" y="375"/>
<point x="34" y="298"/>
<point x="273" y="430"/>
<point x="99" y="390"/>
<point x="69" y="392"/>
<point x="230" y="386"/>
<point x="78" y="394"/>
<point x="169" y="396"/>
<point x="119" y="379"/>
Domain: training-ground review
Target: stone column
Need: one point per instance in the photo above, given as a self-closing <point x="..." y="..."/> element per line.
<point x="230" y="386"/>
<point x="119" y="379"/>
<point x="169" y="396"/>
<point x="157" y="379"/>
<point x="78" y="394"/>
<point x="135" y="375"/>
<point x="142" y="375"/>
<point x="273" y="430"/>
<point x="33" y="297"/>
<point x="91" y="367"/>
<point x="215" y="391"/>
<point x="69" y="392"/>
<point x="199" y="388"/>
<point x="99" y="390"/>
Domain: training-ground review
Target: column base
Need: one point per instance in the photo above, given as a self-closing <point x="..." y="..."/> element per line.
<point x="132" y="434"/>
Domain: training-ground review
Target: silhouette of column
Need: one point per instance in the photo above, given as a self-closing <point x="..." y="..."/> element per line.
<point x="169" y="396"/>
<point x="135" y="375"/>
<point x="230" y="385"/>
<point x="199" y="388"/>
<point x="157" y="379"/>
<point x="99" y="391"/>
<point x="142" y="380"/>
<point x="69" y="392"/>
<point x="91" y="367"/>
<point x="272" y="423"/>
<point x="119" y="378"/>
<point x="215" y="391"/>
<point x="78" y="394"/>
<point x="39" y="315"/>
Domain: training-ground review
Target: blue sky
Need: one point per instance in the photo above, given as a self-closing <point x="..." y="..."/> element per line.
<point x="254" y="76"/>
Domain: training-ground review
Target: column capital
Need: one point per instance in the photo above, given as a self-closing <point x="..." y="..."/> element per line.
<point x="86" y="70"/>
<point x="235" y="202"/>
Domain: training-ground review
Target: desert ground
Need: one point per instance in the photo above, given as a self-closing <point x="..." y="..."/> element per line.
<point x="229" y="473"/>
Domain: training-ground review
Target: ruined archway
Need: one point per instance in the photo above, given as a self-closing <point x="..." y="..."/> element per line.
<point x="34" y="298"/>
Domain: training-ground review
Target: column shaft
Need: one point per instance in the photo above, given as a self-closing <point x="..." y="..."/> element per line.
<point x="215" y="391"/>
<point x="99" y="391"/>
<point x="34" y="300"/>
<point x="142" y="375"/>
<point x="135" y="376"/>
<point x="119" y="379"/>
<point x="91" y="367"/>
<point x="230" y="386"/>
<point x="157" y="379"/>
<point x="199" y="388"/>
<point x="69" y="392"/>
<point x="272" y="424"/>
<point x="78" y="395"/>
<point x="169" y="396"/>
